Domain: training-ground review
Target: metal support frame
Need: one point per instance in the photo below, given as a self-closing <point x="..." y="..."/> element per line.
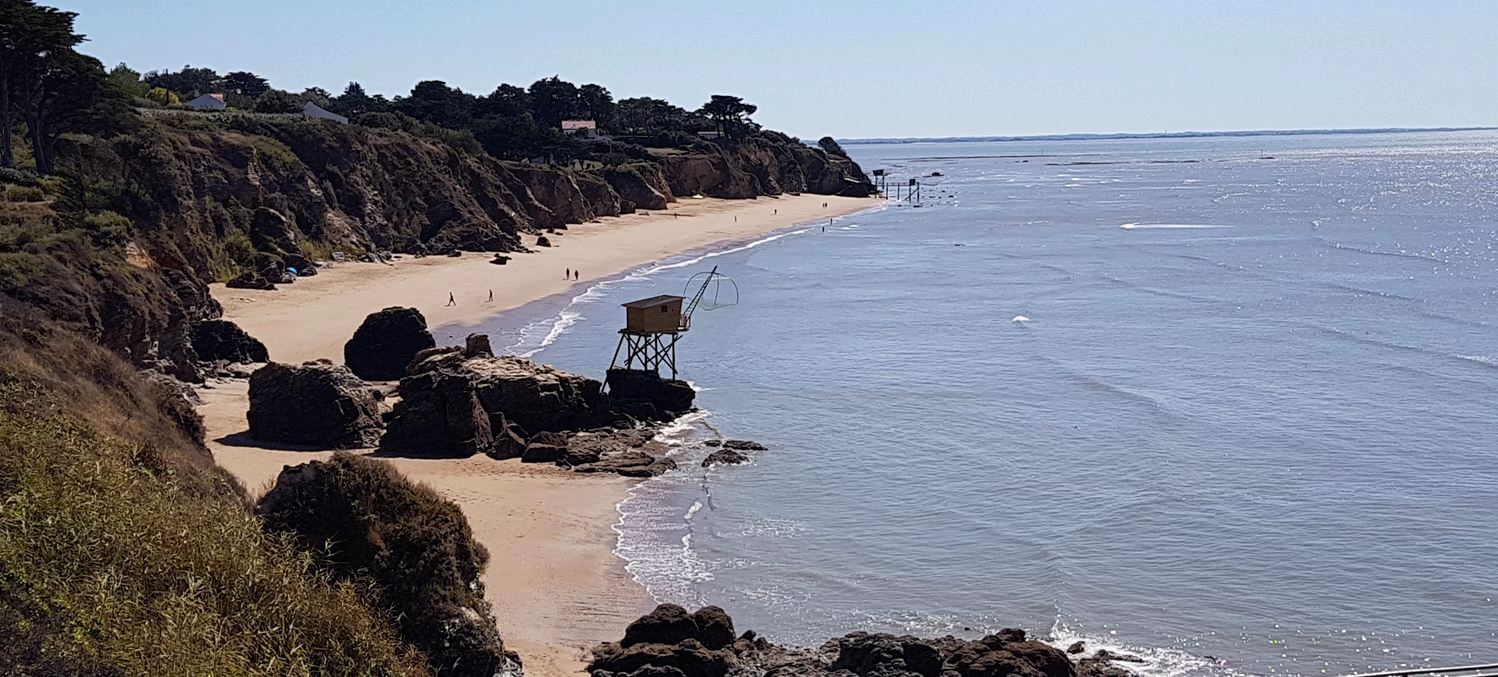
<point x="648" y="350"/>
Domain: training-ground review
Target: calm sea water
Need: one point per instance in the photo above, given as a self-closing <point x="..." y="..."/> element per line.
<point x="1226" y="402"/>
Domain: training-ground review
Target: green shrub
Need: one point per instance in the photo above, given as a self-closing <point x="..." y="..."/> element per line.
<point x="18" y="177"/>
<point x="277" y="154"/>
<point x="18" y="269"/>
<point x="25" y="194"/>
<point x="107" y="229"/>
<point x="317" y="251"/>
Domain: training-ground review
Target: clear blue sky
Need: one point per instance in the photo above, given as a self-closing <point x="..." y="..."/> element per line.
<point x="875" y="67"/>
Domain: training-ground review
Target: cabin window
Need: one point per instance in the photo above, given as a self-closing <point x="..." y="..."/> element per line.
<point x="663" y="309"/>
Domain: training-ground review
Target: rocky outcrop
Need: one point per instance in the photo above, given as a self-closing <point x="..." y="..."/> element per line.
<point x="216" y="340"/>
<point x="769" y="163"/>
<point x="316" y="404"/>
<point x="670" y="642"/>
<point x="386" y="342"/>
<point x="647" y="396"/>
<point x="638" y="186"/>
<point x="559" y="192"/>
<point x="438" y="415"/>
<point x="366" y="523"/>
<point x="601" y="198"/>
<point x="535" y="397"/>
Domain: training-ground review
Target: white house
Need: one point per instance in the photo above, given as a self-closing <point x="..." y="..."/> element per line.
<point x="207" y="102"/>
<point x="584" y="127"/>
<point x="313" y="110"/>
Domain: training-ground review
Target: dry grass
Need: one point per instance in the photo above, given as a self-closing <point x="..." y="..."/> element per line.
<point x="123" y="550"/>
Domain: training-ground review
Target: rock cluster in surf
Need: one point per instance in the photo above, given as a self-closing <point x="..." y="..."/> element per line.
<point x="670" y="642"/>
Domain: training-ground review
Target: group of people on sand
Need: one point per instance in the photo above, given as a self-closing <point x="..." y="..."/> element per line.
<point x="567" y="274"/>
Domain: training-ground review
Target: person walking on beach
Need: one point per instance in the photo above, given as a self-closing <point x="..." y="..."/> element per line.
<point x="576" y="274"/>
<point x="491" y="296"/>
<point x="566" y="273"/>
<point x="450" y="300"/>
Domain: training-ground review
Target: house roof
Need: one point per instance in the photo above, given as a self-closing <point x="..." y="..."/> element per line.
<point x="653" y="301"/>
<point x="579" y="124"/>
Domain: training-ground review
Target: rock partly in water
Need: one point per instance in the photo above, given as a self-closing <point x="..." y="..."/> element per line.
<point x="477" y="345"/>
<point x="386" y="342"/>
<point x="724" y="457"/>
<point x="668" y="641"/>
<point x="743" y="445"/>
<point x="647" y="396"/>
<point x="223" y="340"/>
<point x="317" y="404"/>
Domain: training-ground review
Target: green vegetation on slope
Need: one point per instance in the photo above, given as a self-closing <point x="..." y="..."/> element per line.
<point x="124" y="551"/>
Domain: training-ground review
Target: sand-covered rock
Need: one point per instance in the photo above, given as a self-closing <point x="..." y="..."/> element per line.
<point x="223" y="340"/>
<point x="317" y="404"/>
<point x="386" y="342"/>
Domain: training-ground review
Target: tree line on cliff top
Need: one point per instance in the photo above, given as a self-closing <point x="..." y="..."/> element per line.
<point x="48" y="88"/>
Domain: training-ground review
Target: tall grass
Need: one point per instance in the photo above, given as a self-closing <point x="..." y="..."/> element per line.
<point x="107" y="566"/>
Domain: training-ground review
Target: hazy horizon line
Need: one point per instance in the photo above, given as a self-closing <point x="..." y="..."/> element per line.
<point x="1083" y="136"/>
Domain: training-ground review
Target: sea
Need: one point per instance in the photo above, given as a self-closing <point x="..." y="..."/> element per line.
<point x="1226" y="403"/>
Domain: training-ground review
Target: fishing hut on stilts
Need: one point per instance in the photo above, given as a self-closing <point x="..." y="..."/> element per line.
<point x="653" y="326"/>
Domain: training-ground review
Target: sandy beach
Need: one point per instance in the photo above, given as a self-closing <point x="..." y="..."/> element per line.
<point x="555" y="583"/>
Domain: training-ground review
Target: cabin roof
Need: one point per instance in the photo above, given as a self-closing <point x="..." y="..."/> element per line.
<point x="653" y="301"/>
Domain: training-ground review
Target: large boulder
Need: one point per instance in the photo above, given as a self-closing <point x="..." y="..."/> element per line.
<point x="317" y="404"/>
<point x="365" y="523"/>
<point x="645" y="395"/>
<point x="667" y="624"/>
<point x="437" y="415"/>
<point x="386" y="342"/>
<point x="224" y="340"/>
<point x="537" y="398"/>
<point x="251" y="279"/>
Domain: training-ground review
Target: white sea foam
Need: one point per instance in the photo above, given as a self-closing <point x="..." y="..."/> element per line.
<point x="1171" y="226"/>
<point x="1158" y="662"/>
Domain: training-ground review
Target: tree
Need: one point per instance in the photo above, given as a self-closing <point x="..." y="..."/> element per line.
<point x="507" y="101"/>
<point x="71" y="94"/>
<point x="554" y="100"/>
<point x="277" y="101"/>
<point x="729" y="113"/>
<point x="245" y="83"/>
<point x="353" y="101"/>
<point x="163" y="96"/>
<point x="127" y="80"/>
<point x="189" y="82"/>
<point x="832" y="147"/>
<point x="317" y="95"/>
<point x="28" y="35"/>
<point x="597" y="104"/>
<point x="435" y="102"/>
<point x="647" y="115"/>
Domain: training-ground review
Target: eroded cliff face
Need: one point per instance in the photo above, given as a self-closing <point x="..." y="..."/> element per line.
<point x="768" y="164"/>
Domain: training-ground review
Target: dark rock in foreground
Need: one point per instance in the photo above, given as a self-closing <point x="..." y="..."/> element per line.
<point x="669" y="642"/>
<point x="216" y="340"/>
<point x="364" y="522"/>
<point x="317" y="404"/>
<point x="250" y="280"/>
<point x="386" y="342"/>
<point x="438" y="415"/>
<point x="645" y="395"/>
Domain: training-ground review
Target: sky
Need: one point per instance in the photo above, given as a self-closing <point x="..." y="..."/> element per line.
<point x="873" y="68"/>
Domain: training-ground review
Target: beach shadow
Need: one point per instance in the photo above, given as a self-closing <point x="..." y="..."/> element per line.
<point x="243" y="439"/>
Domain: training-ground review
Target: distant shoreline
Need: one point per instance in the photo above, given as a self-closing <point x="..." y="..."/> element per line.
<point x="1124" y="136"/>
